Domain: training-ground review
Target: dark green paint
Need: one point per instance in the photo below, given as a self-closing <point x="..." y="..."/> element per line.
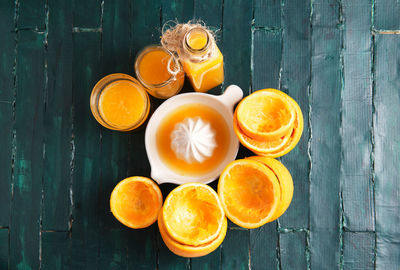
<point x="386" y="14"/>
<point x="235" y="250"/>
<point x="358" y="250"/>
<point x="295" y="81"/>
<point x="31" y="14"/>
<point x="28" y="170"/>
<point x="263" y="247"/>
<point x="180" y="10"/>
<point x="293" y="253"/>
<point x="87" y="14"/>
<point x="4" y="248"/>
<point x="58" y="119"/>
<point x="7" y="56"/>
<point x="387" y="150"/>
<point x="55" y="247"/>
<point x="267" y="14"/>
<point x="325" y="144"/>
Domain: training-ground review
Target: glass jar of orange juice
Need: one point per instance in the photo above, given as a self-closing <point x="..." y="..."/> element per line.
<point x="119" y="102"/>
<point x="201" y="59"/>
<point x="159" y="72"/>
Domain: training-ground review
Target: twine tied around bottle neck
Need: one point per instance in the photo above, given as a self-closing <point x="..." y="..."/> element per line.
<point x="173" y="40"/>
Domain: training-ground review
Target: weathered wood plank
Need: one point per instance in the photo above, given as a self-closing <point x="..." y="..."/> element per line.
<point x="235" y="250"/>
<point x="6" y="106"/>
<point x="4" y="249"/>
<point x="267" y="53"/>
<point x="326" y="141"/>
<point x="356" y="174"/>
<point x="267" y="13"/>
<point x="168" y="260"/>
<point x="386" y="14"/>
<point x="263" y="247"/>
<point x="236" y="42"/>
<point x="181" y="10"/>
<point x="87" y="14"/>
<point x="387" y="151"/>
<point x="209" y="262"/>
<point x="55" y="247"/>
<point x="87" y="159"/>
<point x="58" y="119"/>
<point x="31" y="14"/>
<point x="210" y="12"/>
<point x="28" y="172"/>
<point x="358" y="250"/>
<point x="293" y="253"/>
<point x="295" y="79"/>
<point x="114" y="145"/>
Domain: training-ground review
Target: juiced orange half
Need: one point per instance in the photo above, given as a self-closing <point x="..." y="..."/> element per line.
<point x="193" y="214"/>
<point x="249" y="192"/>
<point x="136" y="201"/>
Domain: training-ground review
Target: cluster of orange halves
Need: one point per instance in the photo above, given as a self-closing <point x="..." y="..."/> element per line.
<point x="251" y="191"/>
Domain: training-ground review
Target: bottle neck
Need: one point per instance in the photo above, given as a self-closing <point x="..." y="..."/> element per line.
<point x="197" y="43"/>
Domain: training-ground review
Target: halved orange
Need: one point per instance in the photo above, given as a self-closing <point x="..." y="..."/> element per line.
<point x="261" y="146"/>
<point x="193" y="214"/>
<point x="285" y="182"/>
<point x="249" y="192"/>
<point x="136" y="201"/>
<point x="188" y="250"/>
<point x="265" y="115"/>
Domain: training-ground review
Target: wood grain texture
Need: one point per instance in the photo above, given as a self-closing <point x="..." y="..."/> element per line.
<point x="4" y="249"/>
<point x="292" y="250"/>
<point x="179" y="10"/>
<point x="358" y="250"/>
<point x="295" y="80"/>
<point x="263" y="247"/>
<point x="210" y="12"/>
<point x="235" y="250"/>
<point x="356" y="173"/>
<point x="31" y="14"/>
<point x="28" y="171"/>
<point x="386" y="150"/>
<point x="58" y="119"/>
<point x="55" y="247"/>
<point x="87" y="159"/>
<point x="267" y="13"/>
<point x="7" y="100"/>
<point x="326" y="141"/>
<point x="87" y="14"/>
<point x="386" y="14"/>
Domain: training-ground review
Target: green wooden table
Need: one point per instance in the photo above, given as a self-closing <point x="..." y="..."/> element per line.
<point x="339" y="59"/>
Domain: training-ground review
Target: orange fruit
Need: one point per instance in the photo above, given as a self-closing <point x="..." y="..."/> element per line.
<point x="264" y="146"/>
<point x="188" y="250"/>
<point x="193" y="214"/>
<point x="136" y="201"/>
<point x="278" y="147"/>
<point x="285" y="182"/>
<point x="265" y="115"/>
<point x="249" y="192"/>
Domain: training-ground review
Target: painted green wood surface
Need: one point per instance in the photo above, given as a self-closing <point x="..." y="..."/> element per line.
<point x="338" y="59"/>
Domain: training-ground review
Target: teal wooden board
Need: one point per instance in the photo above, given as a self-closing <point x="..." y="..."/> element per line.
<point x="356" y="174"/>
<point x="358" y="250"/>
<point x="7" y="99"/>
<point x="386" y="154"/>
<point x="55" y="247"/>
<point x="28" y="170"/>
<point x="292" y="252"/>
<point x="58" y="119"/>
<point x="4" y="248"/>
<point x="295" y="81"/>
<point x="325" y="143"/>
<point x="337" y="59"/>
<point x="386" y="14"/>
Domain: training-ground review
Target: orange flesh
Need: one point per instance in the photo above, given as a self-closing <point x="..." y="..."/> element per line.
<point x="166" y="127"/>
<point x="248" y="193"/>
<point x="135" y="204"/>
<point x="153" y="67"/>
<point x="122" y="104"/>
<point x="194" y="214"/>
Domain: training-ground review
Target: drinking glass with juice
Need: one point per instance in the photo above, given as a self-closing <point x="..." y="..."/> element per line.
<point x="119" y="102"/>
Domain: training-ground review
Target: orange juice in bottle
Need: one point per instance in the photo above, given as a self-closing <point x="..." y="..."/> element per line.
<point x="119" y="102"/>
<point x="201" y="59"/>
